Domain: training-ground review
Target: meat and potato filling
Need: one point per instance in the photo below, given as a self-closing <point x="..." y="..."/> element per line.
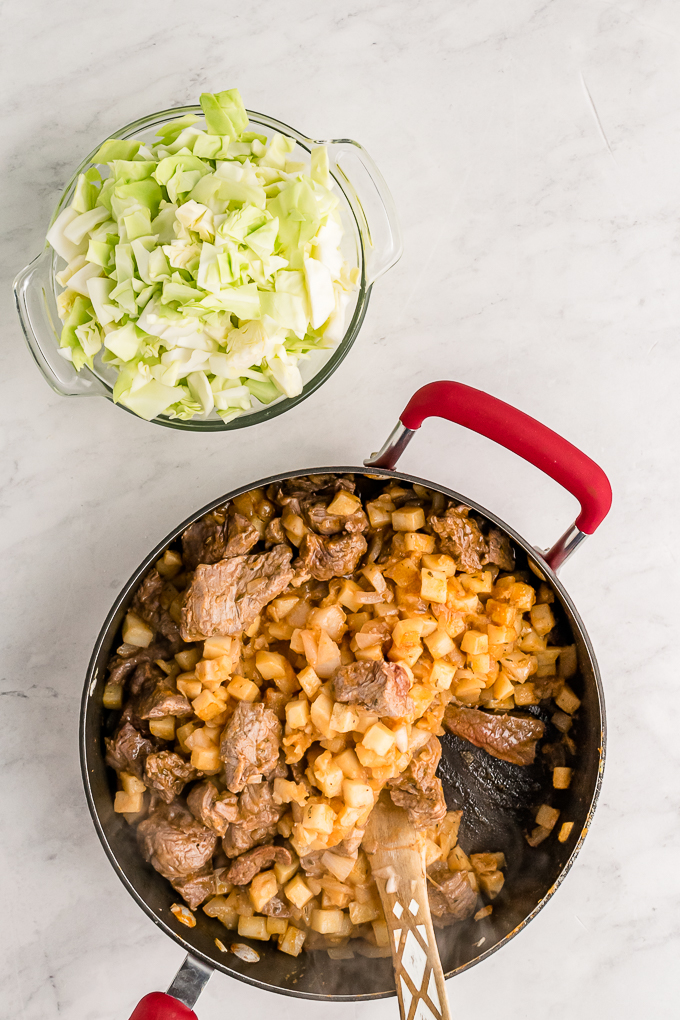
<point x="301" y="652"/>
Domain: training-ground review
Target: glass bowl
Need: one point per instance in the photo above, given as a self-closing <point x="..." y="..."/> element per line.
<point x="372" y="243"/>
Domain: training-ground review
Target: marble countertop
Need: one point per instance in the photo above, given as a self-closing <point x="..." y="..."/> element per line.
<point x="532" y="149"/>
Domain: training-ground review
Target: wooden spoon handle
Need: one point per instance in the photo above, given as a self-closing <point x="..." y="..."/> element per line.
<point x="417" y="968"/>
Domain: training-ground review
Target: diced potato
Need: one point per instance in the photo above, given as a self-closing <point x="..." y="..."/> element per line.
<point x="207" y="706"/>
<point x="128" y="803"/>
<point x="163" y="727"/>
<point x="321" y="713"/>
<point x="262" y="888"/>
<point x="480" y="663"/>
<point x="344" y="504"/>
<point x="216" y="647"/>
<point x="337" y="865"/>
<point x="326" y="922"/>
<point x="430" y="851"/>
<point x="491" y="883"/>
<point x="298" y="892"/>
<point x="344" y="718"/>
<point x="439" y="643"/>
<point x="562" y="721"/>
<point x="547" y="816"/>
<point x="442" y="674"/>
<point x="474" y="642"/>
<point x="379" y="739"/>
<point x="243" y="689"/>
<point x="273" y="665"/>
<point x="408" y="518"/>
<point x="537" y="835"/>
<point x="277" y="925"/>
<point x="286" y="792"/>
<point x="113" y="696"/>
<point x="328" y="775"/>
<point x="332" y="619"/>
<point x="531" y="641"/>
<point x="562" y="778"/>
<point x="297" y="714"/>
<point x="525" y="694"/>
<point x="182" y="733"/>
<point x="356" y="794"/>
<point x="170" y="564"/>
<point x="440" y="562"/>
<point x="319" y="818"/>
<point x="458" y="860"/>
<point x="284" y="872"/>
<point x="568" y="662"/>
<point x="130" y="783"/>
<point x="498" y="635"/>
<point x="374" y="576"/>
<point x="406" y="574"/>
<point x="293" y="941"/>
<point x="349" y="763"/>
<point x="189" y="688"/>
<point x="206" y="759"/>
<point x="542" y="619"/>
<point x="281" y="606"/>
<point x="466" y="684"/>
<point x="419" y="543"/>
<point x="136" y="632"/>
<point x="214" y="670"/>
<point x="309" y="681"/>
<point x="481" y="583"/>
<point x="294" y="526"/>
<point x="219" y="908"/>
<point x="328" y="657"/>
<point x="484" y="864"/>
<point x="253" y="928"/>
<point x="567" y="700"/>
<point x="361" y="913"/>
<point x="188" y="658"/>
<point x="502" y="687"/>
<point x="381" y="932"/>
<point x="447" y="834"/>
<point x="565" y="831"/>
<point x="502" y="613"/>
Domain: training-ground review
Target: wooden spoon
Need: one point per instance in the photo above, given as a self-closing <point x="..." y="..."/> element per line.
<point x="391" y="844"/>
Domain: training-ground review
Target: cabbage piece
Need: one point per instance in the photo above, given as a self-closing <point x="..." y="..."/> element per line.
<point x="65" y="275"/>
<point x="286" y="374"/>
<point x="116" y="148"/>
<point x="169" y="166"/>
<point x="150" y="400"/>
<point x="142" y="248"/>
<point x="163" y="225"/>
<point x="320" y="171"/>
<point x="212" y="146"/>
<point x="80" y="314"/>
<point x="224" y="112"/>
<point x="99" y="292"/>
<point x="320" y="291"/>
<point x="82" y="224"/>
<point x="127" y="171"/>
<point x="100" y="253"/>
<point x="124" y="342"/>
<point x="201" y="391"/>
<point x="139" y="194"/>
<point x="59" y="241"/>
<point x="125" y="266"/>
<point x="172" y="130"/>
<point x="277" y="151"/>
<point x="79" y="280"/>
<point x="263" y="239"/>
<point x="90" y="339"/>
<point x="86" y="190"/>
<point x="242" y="301"/>
<point x="262" y="388"/>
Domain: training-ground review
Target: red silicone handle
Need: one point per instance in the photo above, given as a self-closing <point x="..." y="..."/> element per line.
<point x="522" y="434"/>
<point x="159" y="1006"/>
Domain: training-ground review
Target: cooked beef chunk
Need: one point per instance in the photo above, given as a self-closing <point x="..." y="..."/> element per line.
<point x="168" y="773"/>
<point x="250" y="744"/>
<point x="381" y="687"/>
<point x="418" y="789"/>
<point x="274" y="534"/>
<point x="216" y="537"/>
<point x="511" y="738"/>
<point x="276" y="907"/>
<point x="195" y="889"/>
<point x="121" y="667"/>
<point x="258" y="818"/>
<point x="500" y="550"/>
<point x="156" y="695"/>
<point x="452" y="893"/>
<point x="147" y="605"/>
<point x="312" y="864"/>
<point x="128" y="749"/>
<point x="460" y="537"/>
<point x="324" y="558"/>
<point x="225" y="598"/>
<point x="214" y="809"/>
<point x="174" y="842"/>
<point x="295" y="493"/>
<point x="316" y="515"/>
<point x="248" y="865"/>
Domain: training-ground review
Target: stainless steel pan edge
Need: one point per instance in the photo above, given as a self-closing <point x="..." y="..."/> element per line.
<point x="90" y="754"/>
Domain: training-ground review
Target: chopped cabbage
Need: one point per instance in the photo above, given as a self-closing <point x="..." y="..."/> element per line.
<point x="203" y="267"/>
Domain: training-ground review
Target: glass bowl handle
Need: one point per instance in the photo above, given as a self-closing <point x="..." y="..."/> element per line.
<point x="32" y="292"/>
<point x="371" y="202"/>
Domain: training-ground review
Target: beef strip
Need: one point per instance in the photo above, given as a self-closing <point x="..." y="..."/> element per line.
<point x="460" y="537"/>
<point x="195" y="889"/>
<point x="213" y="538"/>
<point x="120" y="667"/>
<point x="316" y="516"/>
<point x="167" y="773"/>
<point x="418" y="789"/>
<point x="250" y="864"/>
<point x="381" y="687"/>
<point x="500" y="552"/>
<point x="214" y="809"/>
<point x="274" y="533"/>
<point x="511" y="738"/>
<point x="226" y="597"/>
<point x="257" y="823"/>
<point x="452" y="893"/>
<point x="250" y="744"/>
<point x="174" y="842"/>
<point x="324" y="558"/>
<point x="128" y="749"/>
<point x="147" y="605"/>
<point x="155" y="694"/>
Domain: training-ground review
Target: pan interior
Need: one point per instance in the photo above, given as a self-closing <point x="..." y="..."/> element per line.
<point x="496" y="798"/>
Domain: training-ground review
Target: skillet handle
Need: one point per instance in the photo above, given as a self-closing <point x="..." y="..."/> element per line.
<point x="161" y="1006"/>
<point x="521" y="434"/>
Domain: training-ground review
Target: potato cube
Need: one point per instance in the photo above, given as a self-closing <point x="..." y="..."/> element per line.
<point x="547" y="816"/>
<point x="284" y="872"/>
<point x="501" y="613"/>
<point x="277" y="925"/>
<point x="309" y="681"/>
<point x="326" y="922"/>
<point x="188" y="658"/>
<point x="406" y="574"/>
<point x="378" y="738"/>
<point x="272" y="665"/>
<point x="286" y="792"/>
<point x="293" y="941"/>
<point x="163" y="727"/>
<point x="262" y="888"/>
<point x="502" y="688"/>
<point x="567" y="700"/>
<point x="337" y="865"/>
<point x="408" y="518"/>
<point x="430" y="851"/>
<point x="298" y="892"/>
<point x="319" y="818"/>
<point x="361" y="913"/>
<point x="442" y="674"/>
<point x="440" y="562"/>
<point x="321" y="713"/>
<point x="562" y="778"/>
<point x="356" y="794"/>
<point x="381" y="932"/>
<point x="485" y="863"/>
<point x="170" y="564"/>
<point x="136" y="632"/>
<point x="374" y="576"/>
<point x="350" y="764"/>
<point x="281" y="606"/>
<point x="521" y="595"/>
<point x="565" y="831"/>
<point x="458" y="860"/>
<point x="206" y="759"/>
<point x="216" y="670"/>
<point x="253" y="928"/>
<point x="130" y="783"/>
<point x="113" y="696"/>
<point x="498" y="635"/>
<point x="189" y="688"/>
<point x="568" y="662"/>
<point x="344" y="718"/>
<point x="480" y="584"/>
<point x="207" y="706"/>
<point x="243" y="689"/>
<point x="439" y="643"/>
<point x="474" y="642"/>
<point x="447" y="834"/>
<point x="216" y="647"/>
<point x="417" y="542"/>
<point x="328" y="775"/>
<point x="542" y="619"/>
<point x="525" y="694"/>
<point x="433" y="585"/>
<point x="182" y="733"/>
<point x="297" y="714"/>
<point x="128" y="803"/>
<point x="480" y="664"/>
<point x="328" y="657"/>
<point x="219" y="908"/>
<point x="344" y="504"/>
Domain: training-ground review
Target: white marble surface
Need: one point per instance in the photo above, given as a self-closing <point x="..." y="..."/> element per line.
<point x="533" y="150"/>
